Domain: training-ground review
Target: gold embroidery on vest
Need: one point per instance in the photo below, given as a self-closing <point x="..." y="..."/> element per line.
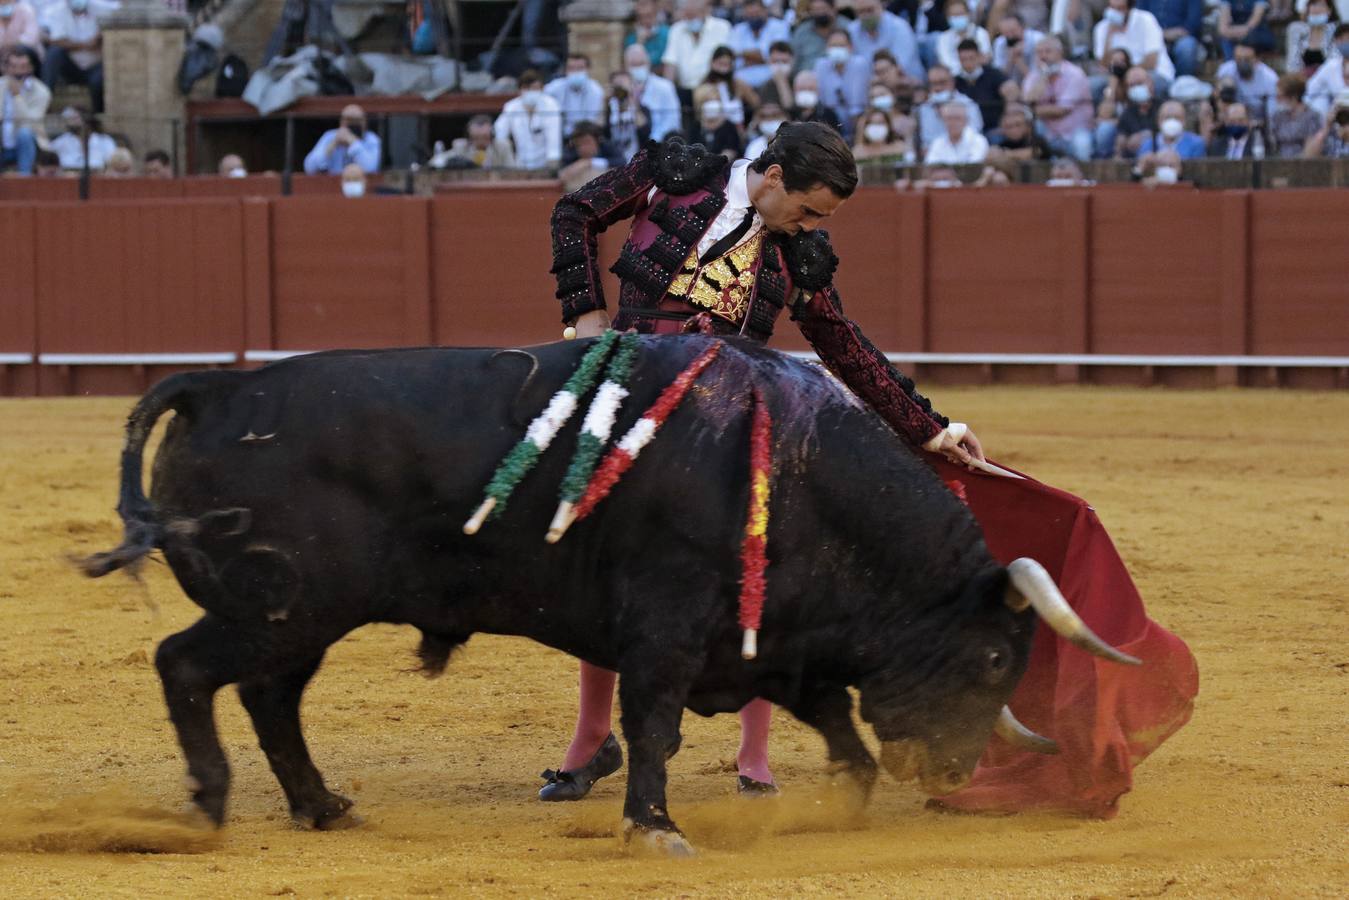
<point x="723" y="285"/>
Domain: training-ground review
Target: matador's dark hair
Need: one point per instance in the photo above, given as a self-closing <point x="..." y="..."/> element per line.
<point x="810" y="154"/>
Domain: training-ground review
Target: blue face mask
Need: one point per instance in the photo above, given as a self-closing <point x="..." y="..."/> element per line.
<point x="959" y="23"/>
<point x="1237" y="131"/>
<point x="6" y="11"/>
<point x="79" y="6"/>
<point x="577" y="79"/>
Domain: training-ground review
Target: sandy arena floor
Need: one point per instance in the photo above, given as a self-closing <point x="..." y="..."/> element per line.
<point x="1230" y="507"/>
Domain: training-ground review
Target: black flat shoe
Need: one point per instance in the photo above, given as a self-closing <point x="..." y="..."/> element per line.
<point x="748" y="787"/>
<point x="575" y="784"/>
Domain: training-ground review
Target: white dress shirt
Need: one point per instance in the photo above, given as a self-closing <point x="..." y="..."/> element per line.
<point x="661" y="100"/>
<point x="1141" y="36"/>
<point x="64" y="25"/>
<point x="690" y="54"/>
<point x="583" y="103"/>
<point x="536" y="133"/>
<point x="971" y="148"/>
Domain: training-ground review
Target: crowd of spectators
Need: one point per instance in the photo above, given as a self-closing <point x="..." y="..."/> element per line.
<point x="937" y="82"/>
<point x="948" y="82"/>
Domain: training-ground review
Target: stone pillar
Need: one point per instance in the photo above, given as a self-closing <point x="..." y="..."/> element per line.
<point x="142" y="48"/>
<point x="596" y="28"/>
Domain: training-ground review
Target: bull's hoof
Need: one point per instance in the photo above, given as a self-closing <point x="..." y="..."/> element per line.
<point x="331" y="814"/>
<point x="209" y="800"/>
<point x="645" y="841"/>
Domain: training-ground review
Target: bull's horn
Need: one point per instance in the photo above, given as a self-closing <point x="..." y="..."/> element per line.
<point x="1035" y="588"/>
<point x="1018" y="735"/>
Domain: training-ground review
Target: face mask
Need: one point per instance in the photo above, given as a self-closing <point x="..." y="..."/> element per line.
<point x="1236" y="131"/>
<point x="876" y="132"/>
<point x="1051" y="69"/>
<point x="1061" y="182"/>
<point x="822" y="21"/>
<point x="577" y="80"/>
<point x="1245" y="69"/>
<point x="1139" y="93"/>
<point x="870" y="22"/>
<point x="782" y="69"/>
<point x="639" y="73"/>
<point x="1313" y="19"/>
<point x="6" y="11"/>
<point x="1113" y="16"/>
<point x="939" y="97"/>
<point x="531" y="97"/>
<point x="882" y="102"/>
<point x="1166" y="175"/>
<point x="241" y="173"/>
<point x="711" y="111"/>
<point x="756" y="25"/>
<point x="838" y="55"/>
<point x="1014" y="41"/>
<point x="769" y="127"/>
<point x="1342" y="118"/>
<point x="944" y="183"/>
<point x="353" y="189"/>
<point x="79" y="6"/>
<point x="1172" y="128"/>
<point x="973" y="76"/>
<point x="1119" y="70"/>
<point x="959" y="23"/>
<point x="695" y="26"/>
<point x="807" y="99"/>
<point x="1227" y="94"/>
<point x="1313" y="58"/>
<point x="720" y="75"/>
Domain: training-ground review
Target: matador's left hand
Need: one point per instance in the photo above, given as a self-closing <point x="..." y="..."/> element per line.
<point x="958" y="443"/>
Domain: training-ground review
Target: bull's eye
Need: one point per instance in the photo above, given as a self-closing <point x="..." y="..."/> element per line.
<point x="996" y="664"/>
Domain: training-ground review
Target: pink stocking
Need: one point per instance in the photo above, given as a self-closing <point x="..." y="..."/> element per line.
<point x="594" y="721"/>
<point x="753" y="757"/>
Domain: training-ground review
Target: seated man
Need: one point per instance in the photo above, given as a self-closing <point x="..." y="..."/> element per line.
<point x="1060" y="95"/>
<point x="959" y="144"/>
<point x="532" y="124"/>
<point x="349" y="143"/>
<point x="157" y="164"/>
<point x="1232" y="140"/>
<point x="23" y="105"/>
<point x="809" y="108"/>
<point x="74" y="48"/>
<point x="480" y="148"/>
<point x="941" y="90"/>
<point x="988" y="87"/>
<point x="1172" y="135"/>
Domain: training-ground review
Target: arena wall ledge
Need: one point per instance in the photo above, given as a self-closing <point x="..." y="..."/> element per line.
<point x="1105" y="285"/>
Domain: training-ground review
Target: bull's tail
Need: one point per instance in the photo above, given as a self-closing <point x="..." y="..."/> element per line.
<point x="143" y="531"/>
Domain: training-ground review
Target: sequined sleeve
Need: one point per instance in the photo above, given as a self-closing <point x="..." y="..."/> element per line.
<point x="864" y="369"/>
<point x="579" y="218"/>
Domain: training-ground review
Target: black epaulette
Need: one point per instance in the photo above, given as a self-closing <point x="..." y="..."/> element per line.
<point x="679" y="167"/>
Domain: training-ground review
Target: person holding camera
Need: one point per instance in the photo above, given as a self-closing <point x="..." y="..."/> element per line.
<point x="349" y="143"/>
<point x="1332" y="141"/>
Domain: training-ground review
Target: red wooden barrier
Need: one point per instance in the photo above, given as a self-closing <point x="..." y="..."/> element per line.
<point x="38" y="190"/>
<point x="1024" y="271"/>
<point x="350" y="273"/>
<point x="18" y="309"/>
<point x="150" y="277"/>
<point x="102" y="187"/>
<point x="221" y="186"/>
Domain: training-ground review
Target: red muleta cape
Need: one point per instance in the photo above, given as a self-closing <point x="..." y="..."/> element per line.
<point x="1105" y="717"/>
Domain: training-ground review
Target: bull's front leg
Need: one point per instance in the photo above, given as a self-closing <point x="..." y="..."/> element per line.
<point x="828" y="709"/>
<point x="653" y="687"/>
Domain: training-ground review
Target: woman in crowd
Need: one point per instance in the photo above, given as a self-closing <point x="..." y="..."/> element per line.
<point x="738" y="100"/>
<point x="1293" y="124"/>
<point x="1311" y="41"/>
<point x="877" y="138"/>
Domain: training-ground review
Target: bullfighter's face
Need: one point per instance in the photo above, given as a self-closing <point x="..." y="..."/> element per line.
<point x="935" y="707"/>
<point x="789" y="212"/>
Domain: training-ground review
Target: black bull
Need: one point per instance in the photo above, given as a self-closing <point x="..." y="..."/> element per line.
<point x="306" y="499"/>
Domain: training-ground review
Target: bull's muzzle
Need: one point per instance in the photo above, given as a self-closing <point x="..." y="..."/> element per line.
<point x="909" y="759"/>
<point x="1031" y="586"/>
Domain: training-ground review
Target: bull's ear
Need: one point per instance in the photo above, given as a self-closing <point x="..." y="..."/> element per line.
<point x="1014" y="599"/>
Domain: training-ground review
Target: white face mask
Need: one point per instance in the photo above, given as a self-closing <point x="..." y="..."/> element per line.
<point x="1166" y="175"/>
<point x="882" y="102"/>
<point x="876" y="132"/>
<point x="1061" y="182"/>
<point x="782" y="68"/>
<point x="639" y="73"/>
<point x="939" y="97"/>
<point x="238" y="173"/>
<point x="712" y="110"/>
<point x="838" y="55"/>
<point x="1113" y="16"/>
<point x="769" y="127"/>
<point x="807" y="99"/>
<point x="353" y="189"/>
<point x="1139" y="93"/>
<point x="1172" y="128"/>
<point x="531" y="97"/>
